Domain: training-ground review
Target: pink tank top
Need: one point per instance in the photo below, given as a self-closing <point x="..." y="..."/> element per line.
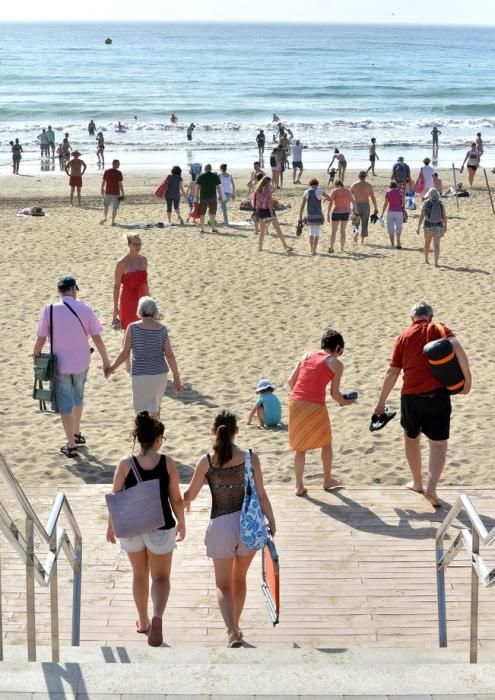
<point x="314" y="375"/>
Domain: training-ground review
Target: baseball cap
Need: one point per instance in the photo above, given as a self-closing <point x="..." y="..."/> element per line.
<point x="67" y="283"/>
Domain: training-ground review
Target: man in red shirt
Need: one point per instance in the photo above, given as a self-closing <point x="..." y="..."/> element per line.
<point x="425" y="403"/>
<point x="112" y="189"/>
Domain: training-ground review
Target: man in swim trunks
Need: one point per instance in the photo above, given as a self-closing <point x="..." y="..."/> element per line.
<point x="189" y="131"/>
<point x="112" y="190"/>
<point x="44" y="147"/>
<point x="363" y="193"/>
<point x="51" y="140"/>
<point x="75" y="169"/>
<point x="373" y="156"/>
<point x="425" y="403"/>
<point x="91" y="128"/>
<point x="434" y="135"/>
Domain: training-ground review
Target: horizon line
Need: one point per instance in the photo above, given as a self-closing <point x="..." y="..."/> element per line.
<point x="388" y="23"/>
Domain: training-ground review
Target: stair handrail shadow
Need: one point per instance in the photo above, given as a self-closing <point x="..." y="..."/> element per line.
<point x="468" y="538"/>
<point x="57" y="539"/>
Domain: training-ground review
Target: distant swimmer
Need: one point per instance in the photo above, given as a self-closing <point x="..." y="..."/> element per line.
<point x="373" y="156"/>
<point x="120" y="128"/>
<point x="434" y="136"/>
<point x="91" y="128"/>
<point x="190" y="130"/>
<point x="275" y="119"/>
<point x="173" y="118"/>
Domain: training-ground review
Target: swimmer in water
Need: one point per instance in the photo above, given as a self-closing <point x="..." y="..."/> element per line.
<point x="173" y="118"/>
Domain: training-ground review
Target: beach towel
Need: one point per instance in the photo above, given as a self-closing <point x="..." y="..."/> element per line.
<point x="309" y="426"/>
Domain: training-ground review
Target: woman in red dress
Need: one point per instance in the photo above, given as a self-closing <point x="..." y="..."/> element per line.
<point x="131" y="283"/>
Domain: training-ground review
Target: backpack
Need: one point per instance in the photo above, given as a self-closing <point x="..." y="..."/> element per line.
<point x="434" y="212"/>
<point x="400" y="172"/>
<point x="273" y="162"/>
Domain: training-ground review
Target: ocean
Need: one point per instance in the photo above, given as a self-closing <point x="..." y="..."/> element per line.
<point x="334" y="86"/>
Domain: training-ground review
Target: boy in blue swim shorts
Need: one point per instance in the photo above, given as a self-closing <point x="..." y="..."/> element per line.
<point x="267" y="408"/>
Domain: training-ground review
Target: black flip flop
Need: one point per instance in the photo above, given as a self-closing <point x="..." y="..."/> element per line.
<point x="379" y="422"/>
<point x="69" y="451"/>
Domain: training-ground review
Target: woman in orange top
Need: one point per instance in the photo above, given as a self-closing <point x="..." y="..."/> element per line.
<point x="131" y="282"/>
<point x="309" y="422"/>
<point x="339" y="211"/>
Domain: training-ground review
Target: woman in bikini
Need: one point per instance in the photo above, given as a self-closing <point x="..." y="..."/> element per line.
<point x="224" y="472"/>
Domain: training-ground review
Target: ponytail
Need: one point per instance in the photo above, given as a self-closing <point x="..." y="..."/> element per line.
<point x="225" y="426"/>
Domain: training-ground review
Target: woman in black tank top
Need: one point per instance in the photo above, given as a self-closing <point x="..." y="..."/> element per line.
<point x="151" y="553"/>
<point x="224" y="473"/>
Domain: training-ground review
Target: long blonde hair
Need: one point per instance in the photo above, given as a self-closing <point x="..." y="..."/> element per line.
<point x="264" y="182"/>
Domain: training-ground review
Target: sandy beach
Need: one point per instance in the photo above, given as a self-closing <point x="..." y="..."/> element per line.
<point x="236" y="315"/>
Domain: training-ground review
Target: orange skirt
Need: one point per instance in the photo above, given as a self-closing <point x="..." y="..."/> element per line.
<point x="309" y="426"/>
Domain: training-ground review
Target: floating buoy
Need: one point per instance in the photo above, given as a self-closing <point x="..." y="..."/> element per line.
<point x="108" y="40"/>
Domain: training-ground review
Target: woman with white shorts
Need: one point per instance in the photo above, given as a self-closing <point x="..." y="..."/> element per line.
<point x="150" y="554"/>
<point x="151" y="353"/>
<point x="394" y="206"/>
<point x="224" y="472"/>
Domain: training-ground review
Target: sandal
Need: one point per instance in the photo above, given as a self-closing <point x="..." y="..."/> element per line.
<point x="79" y="439"/>
<point x="69" y="451"/>
<point x="155" y="634"/>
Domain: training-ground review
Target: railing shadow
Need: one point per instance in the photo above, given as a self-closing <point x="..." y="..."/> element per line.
<point x="55" y="674"/>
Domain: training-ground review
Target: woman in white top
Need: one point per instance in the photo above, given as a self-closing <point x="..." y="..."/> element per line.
<point x="228" y="189"/>
<point x="425" y="178"/>
<point x="473" y="160"/>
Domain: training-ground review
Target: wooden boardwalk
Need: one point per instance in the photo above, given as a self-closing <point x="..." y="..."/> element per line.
<point x="357" y="568"/>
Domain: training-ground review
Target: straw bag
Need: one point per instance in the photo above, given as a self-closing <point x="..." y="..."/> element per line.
<point x="254" y="533"/>
<point x="137" y="509"/>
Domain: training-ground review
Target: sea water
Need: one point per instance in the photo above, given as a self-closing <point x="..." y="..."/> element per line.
<point x="334" y="86"/>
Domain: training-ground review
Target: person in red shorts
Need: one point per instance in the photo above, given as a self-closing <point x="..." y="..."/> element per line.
<point x="112" y="189"/>
<point x="75" y="169"/>
<point x="425" y="403"/>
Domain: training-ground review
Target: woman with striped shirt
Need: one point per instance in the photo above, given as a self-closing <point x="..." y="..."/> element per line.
<point x="148" y="344"/>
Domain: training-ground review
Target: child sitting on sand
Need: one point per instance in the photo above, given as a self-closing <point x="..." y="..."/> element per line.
<point x="267" y="408"/>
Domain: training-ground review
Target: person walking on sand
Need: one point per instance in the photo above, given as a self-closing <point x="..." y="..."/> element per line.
<point x="394" y="205"/>
<point x="434" y="218"/>
<point x="150" y="554"/>
<point x="425" y="178"/>
<point x="425" y="403"/>
<point x="50" y="134"/>
<point x="148" y="344"/>
<point x="472" y="158"/>
<point x="363" y="192"/>
<point x="373" y="155"/>
<point x="224" y="471"/>
<point x="309" y="422"/>
<point x="265" y="212"/>
<point x="75" y="169"/>
<point x="312" y="199"/>
<point x="210" y="192"/>
<point x="227" y="183"/>
<point x="260" y="142"/>
<point x="130" y="282"/>
<point x="112" y="190"/>
<point x="339" y="211"/>
<point x="16" y="156"/>
<point x="174" y="190"/>
<point x="73" y="323"/>
<point x="401" y="173"/>
<point x="297" y="164"/>
<point x="341" y="164"/>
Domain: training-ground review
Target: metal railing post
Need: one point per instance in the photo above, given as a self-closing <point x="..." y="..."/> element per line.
<point x="54" y="601"/>
<point x="441" y="597"/>
<point x="30" y="603"/>
<point x="76" y="594"/>
<point x="473" y="639"/>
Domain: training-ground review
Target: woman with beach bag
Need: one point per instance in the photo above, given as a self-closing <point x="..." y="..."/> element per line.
<point x="145" y="492"/>
<point x="233" y="476"/>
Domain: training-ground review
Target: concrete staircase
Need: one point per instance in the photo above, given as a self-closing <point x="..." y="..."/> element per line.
<point x="141" y="672"/>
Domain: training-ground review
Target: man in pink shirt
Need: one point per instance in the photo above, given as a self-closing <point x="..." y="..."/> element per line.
<point x="73" y="323"/>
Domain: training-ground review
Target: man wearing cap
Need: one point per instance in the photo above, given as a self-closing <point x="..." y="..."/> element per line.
<point x="73" y="323"/>
<point x="363" y="193"/>
<point x="401" y="173"/>
<point x="425" y="403"/>
<point x="75" y="169"/>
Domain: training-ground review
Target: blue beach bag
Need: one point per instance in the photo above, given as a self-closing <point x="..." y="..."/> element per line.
<point x="254" y="533"/>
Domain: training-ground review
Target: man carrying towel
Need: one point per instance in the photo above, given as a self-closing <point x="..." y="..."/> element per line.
<point x="73" y="323"/>
<point x="425" y="403"/>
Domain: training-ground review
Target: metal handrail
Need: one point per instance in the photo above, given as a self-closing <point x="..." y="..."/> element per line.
<point x="45" y="574"/>
<point x="470" y="540"/>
